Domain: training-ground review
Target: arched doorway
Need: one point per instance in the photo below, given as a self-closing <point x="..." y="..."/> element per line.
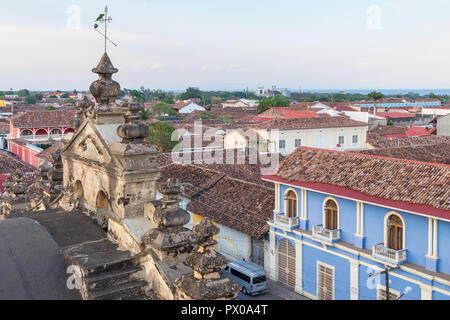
<point x="102" y="210"/>
<point x="291" y="204"/>
<point x="286" y="263"/>
<point x="331" y="215"/>
<point x="79" y="194"/>
<point x="394" y="232"/>
<point x="79" y="189"/>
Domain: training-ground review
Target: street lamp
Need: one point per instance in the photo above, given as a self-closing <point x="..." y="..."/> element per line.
<point x="406" y="291"/>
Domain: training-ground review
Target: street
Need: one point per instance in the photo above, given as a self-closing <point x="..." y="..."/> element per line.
<point x="277" y="291"/>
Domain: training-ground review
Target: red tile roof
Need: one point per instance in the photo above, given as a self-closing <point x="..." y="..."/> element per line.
<point x="395" y="115"/>
<point x="47" y="154"/>
<point x="309" y="123"/>
<point x="42" y="119"/>
<point x="420" y="186"/>
<point x="232" y="195"/>
<point x="420" y="131"/>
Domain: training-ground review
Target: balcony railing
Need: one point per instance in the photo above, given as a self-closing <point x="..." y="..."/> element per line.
<point x="396" y="257"/>
<point x="330" y="236"/>
<point x="282" y="220"/>
<point x="27" y="137"/>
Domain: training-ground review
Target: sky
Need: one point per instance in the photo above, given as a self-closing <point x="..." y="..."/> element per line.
<point x="228" y="45"/>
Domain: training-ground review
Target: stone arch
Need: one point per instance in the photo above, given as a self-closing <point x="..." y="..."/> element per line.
<point x="392" y="215"/>
<point x="26" y="132"/>
<point x="78" y="189"/>
<point x="56" y="132"/>
<point x="102" y="209"/>
<point x="41" y="132"/>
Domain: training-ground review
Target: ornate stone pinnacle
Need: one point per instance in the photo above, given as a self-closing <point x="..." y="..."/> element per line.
<point x="18" y="188"/>
<point x="133" y="130"/>
<point x="205" y="230"/>
<point x="105" y="90"/>
<point x="83" y="106"/>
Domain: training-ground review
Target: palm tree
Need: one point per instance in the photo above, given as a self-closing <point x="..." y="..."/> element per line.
<point x="375" y="96"/>
<point x="144" y="114"/>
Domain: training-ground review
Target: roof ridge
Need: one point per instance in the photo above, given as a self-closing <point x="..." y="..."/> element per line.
<point x="378" y="157"/>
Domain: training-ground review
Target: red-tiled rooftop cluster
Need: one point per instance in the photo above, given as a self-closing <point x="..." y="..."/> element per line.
<point x="44" y="119"/>
<point x="402" y="180"/>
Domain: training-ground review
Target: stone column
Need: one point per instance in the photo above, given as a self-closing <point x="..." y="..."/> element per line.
<point x="206" y="282"/>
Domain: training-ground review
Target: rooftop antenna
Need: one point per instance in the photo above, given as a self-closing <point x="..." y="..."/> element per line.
<point x="104" y="18"/>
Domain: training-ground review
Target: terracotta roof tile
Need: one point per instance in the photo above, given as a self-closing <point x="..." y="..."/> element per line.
<point x="309" y="123"/>
<point x="41" y="119"/>
<point x="402" y="180"/>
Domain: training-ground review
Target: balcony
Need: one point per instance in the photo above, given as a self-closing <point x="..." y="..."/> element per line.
<point x="286" y="222"/>
<point x="395" y="257"/>
<point x="322" y="234"/>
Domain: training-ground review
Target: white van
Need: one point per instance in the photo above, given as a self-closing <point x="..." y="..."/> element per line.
<point x="251" y="276"/>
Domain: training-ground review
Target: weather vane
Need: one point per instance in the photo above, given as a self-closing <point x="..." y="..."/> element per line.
<point x="104" y="18"/>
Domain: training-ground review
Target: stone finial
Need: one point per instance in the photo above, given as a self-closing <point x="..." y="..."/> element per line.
<point x="169" y="240"/>
<point x="83" y="106"/>
<point x="206" y="282"/>
<point x="206" y="262"/>
<point x="170" y="215"/>
<point x="8" y="184"/>
<point x="18" y="189"/>
<point x="133" y="131"/>
<point x="54" y="186"/>
<point x="105" y="90"/>
<point x="206" y="230"/>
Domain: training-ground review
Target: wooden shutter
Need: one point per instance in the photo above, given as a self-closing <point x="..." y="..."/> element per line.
<point x="382" y="294"/>
<point x="325" y="285"/>
<point x="286" y="263"/>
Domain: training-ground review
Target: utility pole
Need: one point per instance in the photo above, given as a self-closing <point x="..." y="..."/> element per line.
<point x="386" y="273"/>
<point x="386" y="270"/>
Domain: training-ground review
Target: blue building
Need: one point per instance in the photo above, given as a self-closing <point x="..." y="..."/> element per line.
<point x="401" y="104"/>
<point x="341" y="218"/>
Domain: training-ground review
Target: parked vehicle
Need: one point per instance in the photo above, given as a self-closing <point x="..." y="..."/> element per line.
<point x="250" y="276"/>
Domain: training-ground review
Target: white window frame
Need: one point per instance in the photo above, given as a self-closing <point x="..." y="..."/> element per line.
<point x="295" y="143"/>
<point x="320" y="263"/>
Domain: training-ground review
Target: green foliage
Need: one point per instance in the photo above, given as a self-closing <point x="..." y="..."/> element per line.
<point x="390" y="123"/>
<point x="30" y="99"/>
<point x="226" y="117"/>
<point x="375" y="96"/>
<point x="53" y="96"/>
<point x="163" y="108"/>
<point x="23" y="93"/>
<point x="65" y="96"/>
<point x="208" y="116"/>
<point x="190" y="93"/>
<point x="265" y="104"/>
<point x="144" y="114"/>
<point x="138" y="96"/>
<point x="161" y="136"/>
<point x="50" y="108"/>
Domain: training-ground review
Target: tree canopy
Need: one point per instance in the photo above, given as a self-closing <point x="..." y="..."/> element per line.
<point x="161" y="136"/>
<point x="265" y="103"/>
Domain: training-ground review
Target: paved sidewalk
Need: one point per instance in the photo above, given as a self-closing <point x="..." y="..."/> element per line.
<point x="283" y="292"/>
<point x="277" y="291"/>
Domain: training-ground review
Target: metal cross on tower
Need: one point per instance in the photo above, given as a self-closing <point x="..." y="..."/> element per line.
<point x="104" y="18"/>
